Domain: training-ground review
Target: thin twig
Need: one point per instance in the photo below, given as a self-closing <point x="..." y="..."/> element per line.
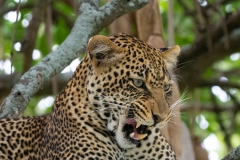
<point x="13" y="36"/>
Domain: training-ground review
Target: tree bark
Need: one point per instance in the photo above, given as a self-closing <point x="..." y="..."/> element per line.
<point x="234" y="155"/>
<point x="90" y="21"/>
<point x="8" y="81"/>
<point x="149" y="25"/>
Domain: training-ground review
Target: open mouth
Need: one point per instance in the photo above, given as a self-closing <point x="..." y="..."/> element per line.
<point x="134" y="131"/>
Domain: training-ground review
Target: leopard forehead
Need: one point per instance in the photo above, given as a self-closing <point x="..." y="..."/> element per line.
<point x="140" y="58"/>
<point x="135" y="46"/>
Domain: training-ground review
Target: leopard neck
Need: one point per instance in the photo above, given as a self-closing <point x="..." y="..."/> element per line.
<point x="73" y="102"/>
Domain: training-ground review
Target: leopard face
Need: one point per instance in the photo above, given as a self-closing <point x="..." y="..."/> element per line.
<point x="130" y="85"/>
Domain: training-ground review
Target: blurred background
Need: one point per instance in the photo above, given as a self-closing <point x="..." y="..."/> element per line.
<point x="208" y="71"/>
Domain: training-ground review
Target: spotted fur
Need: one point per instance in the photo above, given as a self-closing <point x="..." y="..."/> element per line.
<point x="112" y="108"/>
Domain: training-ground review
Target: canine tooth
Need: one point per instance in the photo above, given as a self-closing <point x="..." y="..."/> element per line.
<point x="150" y="127"/>
<point x="138" y="125"/>
<point x="132" y="135"/>
<point x="139" y="136"/>
<point x="142" y="136"/>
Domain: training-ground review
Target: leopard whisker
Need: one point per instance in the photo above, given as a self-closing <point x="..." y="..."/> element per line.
<point x="172" y="122"/>
<point x="177" y="77"/>
<point x="180" y="101"/>
<point x="181" y="65"/>
<point x="168" y="125"/>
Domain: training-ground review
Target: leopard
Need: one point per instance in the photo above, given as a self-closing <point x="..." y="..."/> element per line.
<point x="113" y="107"/>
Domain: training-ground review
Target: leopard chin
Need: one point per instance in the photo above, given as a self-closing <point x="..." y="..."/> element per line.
<point x="121" y="138"/>
<point x="129" y="133"/>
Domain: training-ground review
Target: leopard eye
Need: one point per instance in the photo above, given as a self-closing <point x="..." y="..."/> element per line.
<point x="166" y="87"/>
<point x="138" y="82"/>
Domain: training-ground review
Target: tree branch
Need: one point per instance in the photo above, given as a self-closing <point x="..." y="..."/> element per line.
<point x="7" y="82"/>
<point x="90" y="21"/>
<point x="193" y="71"/>
<point x="217" y="33"/>
<point x="219" y="83"/>
<point x="234" y="155"/>
<point x="209" y="108"/>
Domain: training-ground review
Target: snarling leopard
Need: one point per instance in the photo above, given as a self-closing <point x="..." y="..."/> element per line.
<point x="112" y="108"/>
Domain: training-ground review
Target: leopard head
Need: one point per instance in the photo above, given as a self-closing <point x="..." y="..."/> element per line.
<point x="130" y="85"/>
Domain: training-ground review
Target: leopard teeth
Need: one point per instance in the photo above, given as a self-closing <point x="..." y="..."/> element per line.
<point x="150" y="127"/>
<point x="138" y="125"/>
<point x="140" y="136"/>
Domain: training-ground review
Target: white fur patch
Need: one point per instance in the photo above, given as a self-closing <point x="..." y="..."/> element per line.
<point x="120" y="137"/>
<point x="111" y="125"/>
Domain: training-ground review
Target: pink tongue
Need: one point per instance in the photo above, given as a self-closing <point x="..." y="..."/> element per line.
<point x="133" y="123"/>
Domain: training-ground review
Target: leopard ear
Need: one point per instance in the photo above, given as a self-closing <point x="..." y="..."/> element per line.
<point x="170" y="56"/>
<point x="102" y="51"/>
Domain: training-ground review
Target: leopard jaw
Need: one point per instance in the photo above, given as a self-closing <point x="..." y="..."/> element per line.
<point x="120" y="136"/>
<point x="136" y="136"/>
